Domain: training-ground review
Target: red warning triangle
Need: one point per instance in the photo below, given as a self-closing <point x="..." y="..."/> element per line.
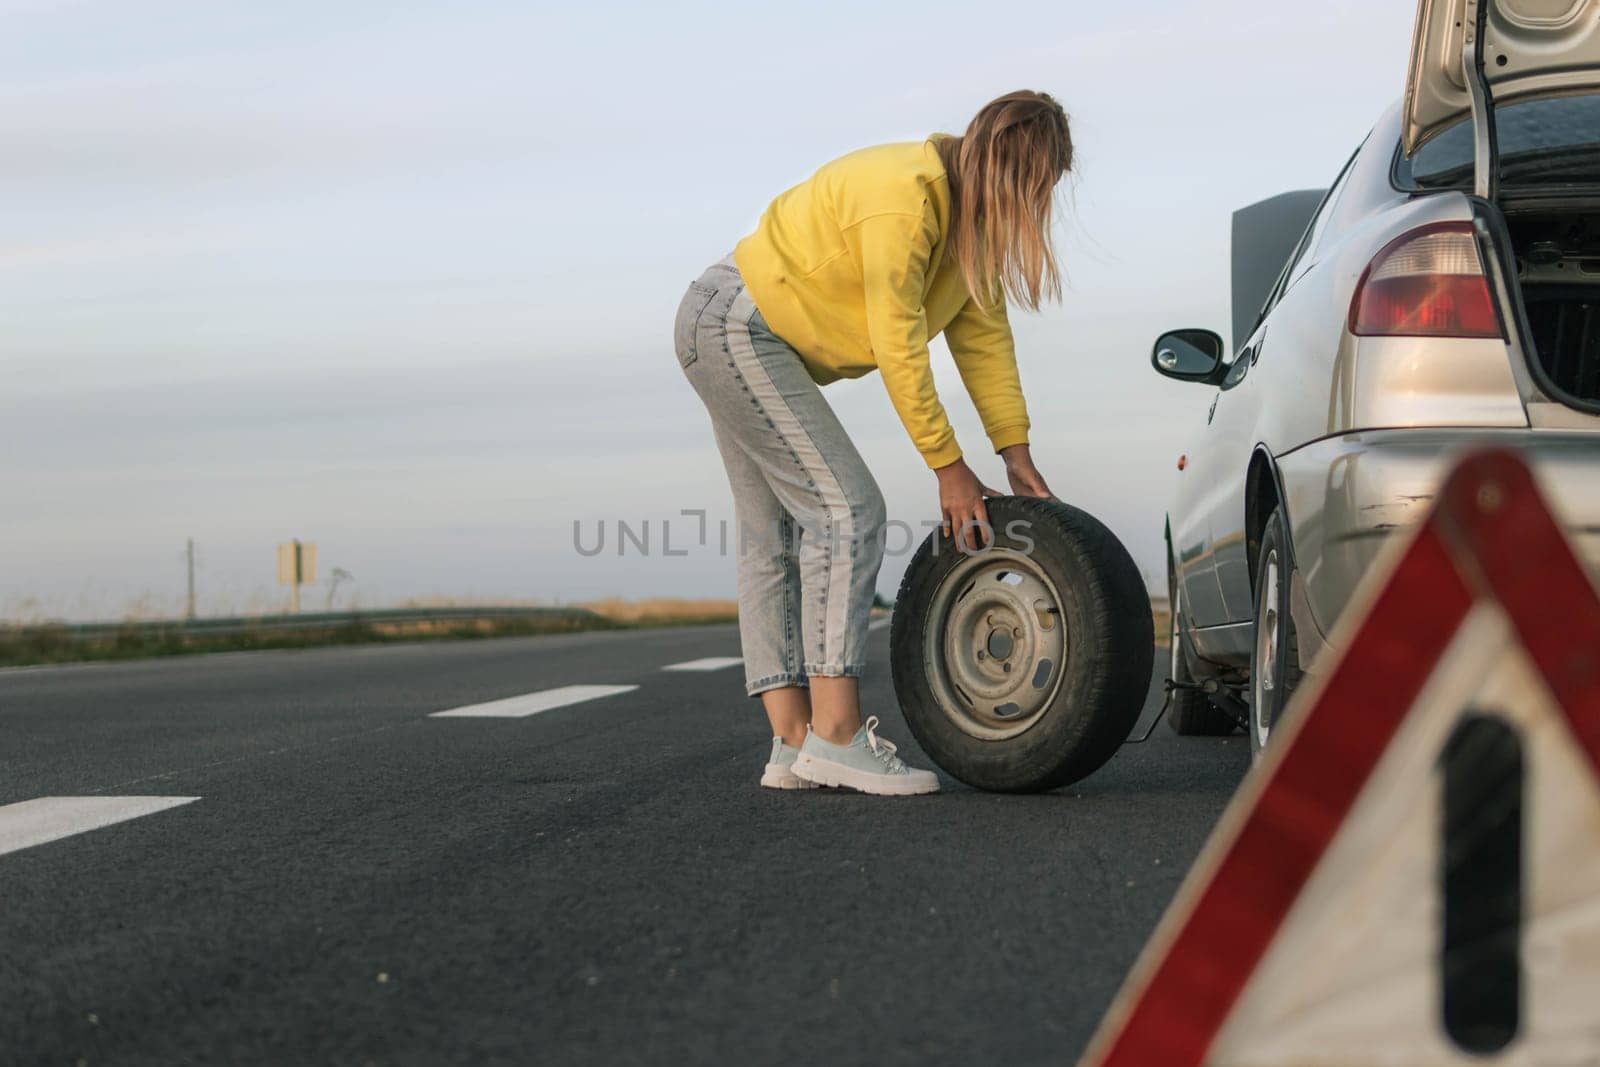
<point x="1270" y="955"/>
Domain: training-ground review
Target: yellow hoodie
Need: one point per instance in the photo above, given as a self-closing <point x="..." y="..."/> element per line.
<point x="848" y="267"/>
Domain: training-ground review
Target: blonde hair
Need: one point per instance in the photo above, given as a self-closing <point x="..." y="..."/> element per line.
<point x="1002" y="174"/>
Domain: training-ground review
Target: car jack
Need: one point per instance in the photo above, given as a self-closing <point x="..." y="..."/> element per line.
<point x="1221" y="695"/>
<point x="1224" y="697"/>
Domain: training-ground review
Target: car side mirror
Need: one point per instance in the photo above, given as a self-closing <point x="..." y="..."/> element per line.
<point x="1188" y="355"/>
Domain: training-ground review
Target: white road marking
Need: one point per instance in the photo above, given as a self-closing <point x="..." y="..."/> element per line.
<point x="34" y="822"/>
<point x="519" y="707"/>
<point x="878" y="624"/>
<point x="710" y="663"/>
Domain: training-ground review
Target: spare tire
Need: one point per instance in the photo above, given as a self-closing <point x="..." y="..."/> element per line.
<point x="1023" y="667"/>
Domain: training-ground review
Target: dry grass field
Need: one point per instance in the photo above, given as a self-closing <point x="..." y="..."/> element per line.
<point x="25" y="644"/>
<point x="44" y="642"/>
<point x="661" y="612"/>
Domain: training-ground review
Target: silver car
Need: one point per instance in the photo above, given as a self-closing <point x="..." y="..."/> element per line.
<point x="1444" y="293"/>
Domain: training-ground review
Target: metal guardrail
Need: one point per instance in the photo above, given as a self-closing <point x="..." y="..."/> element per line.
<point x="330" y="620"/>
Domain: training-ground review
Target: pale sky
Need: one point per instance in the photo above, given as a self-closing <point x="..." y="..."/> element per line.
<point x="399" y="278"/>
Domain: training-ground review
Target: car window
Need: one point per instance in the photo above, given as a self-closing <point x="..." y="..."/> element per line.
<point x="1366" y="189"/>
<point x="1304" y="255"/>
<point x="1552" y="141"/>
<point x="1308" y="241"/>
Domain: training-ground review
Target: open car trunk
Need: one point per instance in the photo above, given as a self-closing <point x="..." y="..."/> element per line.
<point x="1518" y="49"/>
<point x="1506" y="93"/>
<point x="1557" y="254"/>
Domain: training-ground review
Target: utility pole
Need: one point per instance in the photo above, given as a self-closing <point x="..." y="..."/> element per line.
<point x="189" y="612"/>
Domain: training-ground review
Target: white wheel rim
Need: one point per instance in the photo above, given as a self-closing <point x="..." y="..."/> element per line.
<point x="1265" y="681"/>
<point x="996" y="644"/>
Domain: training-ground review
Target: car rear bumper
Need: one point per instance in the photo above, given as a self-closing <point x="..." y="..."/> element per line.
<point x="1347" y="495"/>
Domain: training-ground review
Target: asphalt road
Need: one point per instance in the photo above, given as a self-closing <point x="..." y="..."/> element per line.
<point x="598" y="883"/>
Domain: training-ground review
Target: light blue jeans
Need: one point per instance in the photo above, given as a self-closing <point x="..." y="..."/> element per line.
<point x="810" y="515"/>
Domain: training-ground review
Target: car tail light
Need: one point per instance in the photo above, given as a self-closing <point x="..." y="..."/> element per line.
<point x="1429" y="283"/>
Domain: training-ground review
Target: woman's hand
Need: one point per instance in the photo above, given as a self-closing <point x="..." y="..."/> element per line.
<point x="961" y="506"/>
<point x="1024" y="477"/>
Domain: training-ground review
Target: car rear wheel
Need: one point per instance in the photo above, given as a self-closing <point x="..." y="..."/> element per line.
<point x="1192" y="714"/>
<point x="1023" y="667"/>
<point x="1275" y="661"/>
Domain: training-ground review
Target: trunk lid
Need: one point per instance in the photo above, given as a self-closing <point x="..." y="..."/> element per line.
<point x="1525" y="48"/>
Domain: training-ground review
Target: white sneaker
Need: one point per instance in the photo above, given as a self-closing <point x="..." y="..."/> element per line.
<point x="780" y="768"/>
<point x="867" y="764"/>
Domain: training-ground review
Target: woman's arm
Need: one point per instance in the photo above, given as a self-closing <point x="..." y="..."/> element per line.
<point x="1024" y="477"/>
<point x="894" y="250"/>
<point x="981" y="344"/>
